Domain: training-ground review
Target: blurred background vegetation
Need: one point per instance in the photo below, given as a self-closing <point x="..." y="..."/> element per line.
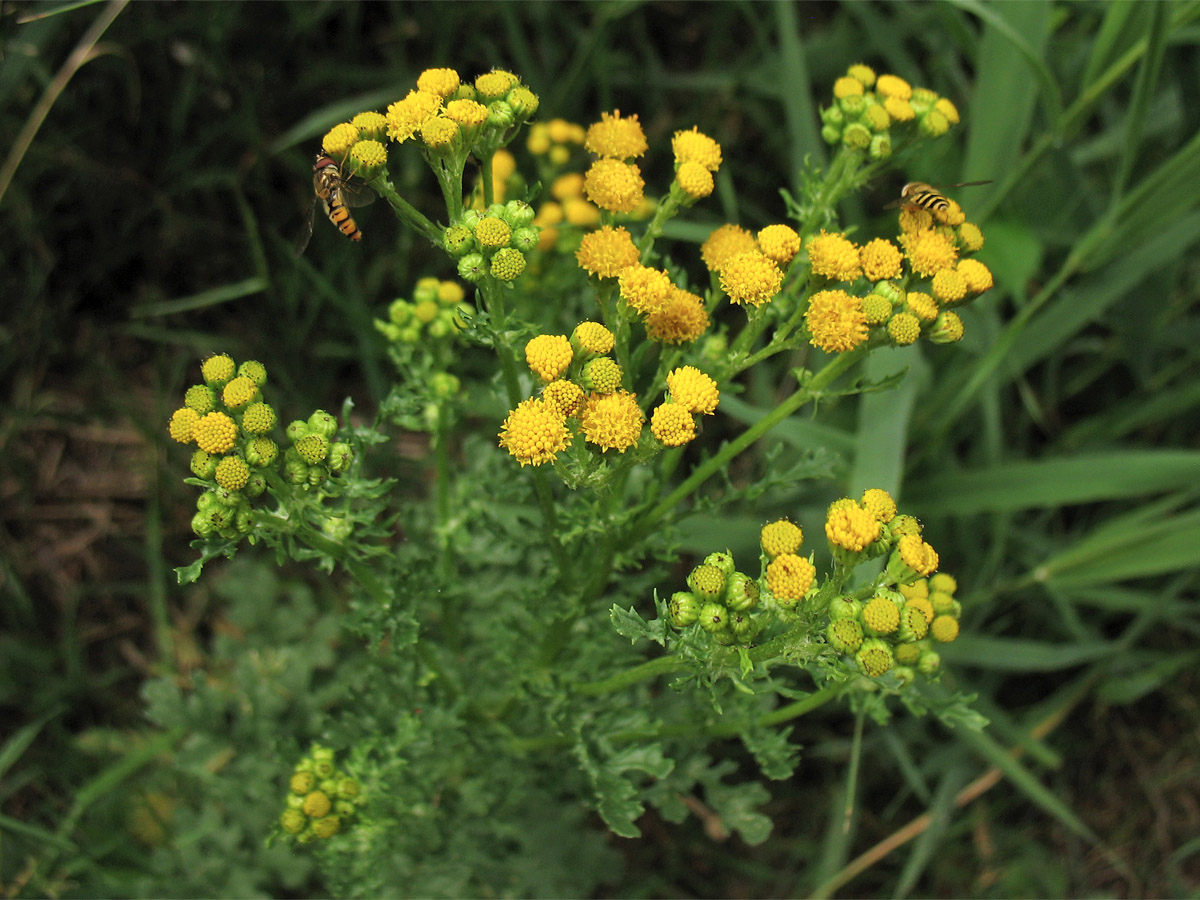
<point x="156" y="173"/>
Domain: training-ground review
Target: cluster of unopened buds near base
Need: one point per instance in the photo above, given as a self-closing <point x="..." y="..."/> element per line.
<point x="889" y="625"/>
<point x="235" y="458"/>
<point x="321" y="799"/>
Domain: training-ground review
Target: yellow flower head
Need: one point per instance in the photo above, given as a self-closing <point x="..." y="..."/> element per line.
<point x="442" y="82"/>
<point x="947" y="109"/>
<point x="779" y="242"/>
<point x="548" y="355"/>
<point x="238" y="392"/>
<point x="467" y="113"/>
<point x="834" y="256"/>
<point x="183" y="424"/>
<point x="943" y="581"/>
<point x="578" y="211"/>
<point x="601" y="375"/>
<point x="232" y="473"/>
<point x="928" y="251"/>
<point x="646" y="290"/>
<point x="605" y="253"/>
<point x="693" y="146"/>
<point x="893" y="86"/>
<point x="371" y="125"/>
<point x="338" y="141"/>
<point x="367" y="158"/>
<point x="672" y="424"/>
<point x="970" y="237"/>
<point x="863" y="73"/>
<point x="836" y="321"/>
<point x="495" y="84"/>
<point x="899" y="109"/>
<point x="917" y="555"/>
<point x="592" y="337"/>
<point x="751" y="278"/>
<point x="914" y="219"/>
<point x="612" y="421"/>
<point x="881" y="615"/>
<point x="947" y="328"/>
<point x="614" y="185"/>
<point x="405" y="117"/>
<point x="975" y="274"/>
<point x="681" y="321"/>
<point x="450" y="292"/>
<point x="695" y="180"/>
<point x="439" y="132"/>
<point x="535" y="432"/>
<point x="725" y="242"/>
<point x="847" y="87"/>
<point x="692" y="388"/>
<point x="492" y="231"/>
<point x="881" y="259"/>
<point x="790" y="576"/>
<point x="877" y="309"/>
<point x="215" y="433"/>
<point x="949" y="286"/>
<point x="851" y="527"/>
<point x="567" y="185"/>
<point x="616" y="138"/>
<point x="217" y="369"/>
<point x="566" y="397"/>
<point x="921" y="305"/>
<point x="944" y="629"/>
<point x="876" y="118"/>
<point x="904" y="328"/>
<point x="920" y="604"/>
<point x="779" y="537"/>
<point x="879" y="503"/>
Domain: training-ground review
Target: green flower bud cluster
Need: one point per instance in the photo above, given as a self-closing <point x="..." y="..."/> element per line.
<point x="896" y="631"/>
<point x="720" y="599"/>
<point x="227" y="420"/>
<point x="314" y="456"/>
<point x="436" y="312"/>
<point x="493" y="241"/>
<point x="229" y="423"/>
<point x="866" y="107"/>
<point x="321" y="800"/>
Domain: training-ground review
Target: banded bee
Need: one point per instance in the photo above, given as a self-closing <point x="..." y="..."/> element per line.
<point x="920" y="195"/>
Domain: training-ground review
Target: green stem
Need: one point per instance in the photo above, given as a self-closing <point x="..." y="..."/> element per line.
<point x="665" y="212"/>
<point x="812" y="389"/>
<point x="405" y="211"/>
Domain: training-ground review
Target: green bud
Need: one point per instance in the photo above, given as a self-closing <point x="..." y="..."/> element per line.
<point x="684" y="609"/>
<point x="500" y="114"/>
<point x="742" y="625"/>
<point x="714" y="618"/>
<point x="844" y="635"/>
<point x="458" y="240"/>
<point x="905" y="674"/>
<point x="441" y="327"/>
<point x="254" y="370"/>
<point x="523" y="102"/>
<point x="833" y="115"/>
<point x="204" y="465"/>
<point x="292" y="821"/>
<point x="318" y="475"/>
<point x="831" y="134"/>
<point x="741" y="592"/>
<point x="322" y="423"/>
<point x="295" y="471"/>
<point x="444" y="384"/>
<point x="399" y="311"/>
<point x="341" y="455"/>
<point x="907" y="654"/>
<point x="296" y="430"/>
<point x="202" y="526"/>
<point x="313" y="448"/>
<point x="517" y="213"/>
<point x="723" y="560"/>
<point x="874" y="657"/>
<point x="526" y="239"/>
<point x="844" y="608"/>
<point x="929" y="662"/>
<point x="707" y="582"/>
<point x="472" y="268"/>
<point x="227" y="497"/>
<point x="348" y="789"/>
<point x="244" y="521"/>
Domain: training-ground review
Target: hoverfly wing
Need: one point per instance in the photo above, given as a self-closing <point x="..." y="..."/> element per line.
<point x="357" y="194"/>
<point x="969" y="183"/>
<point x="306" y="231"/>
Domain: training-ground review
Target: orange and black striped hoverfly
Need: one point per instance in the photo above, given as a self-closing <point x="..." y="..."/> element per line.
<point x="920" y="195"/>
<point x="334" y="195"/>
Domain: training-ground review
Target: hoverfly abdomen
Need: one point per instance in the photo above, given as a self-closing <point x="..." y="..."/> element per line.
<point x="924" y="196"/>
<point x="335" y="197"/>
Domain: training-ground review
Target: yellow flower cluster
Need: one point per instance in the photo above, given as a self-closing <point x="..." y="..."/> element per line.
<point x="616" y="138"/>
<point x="322" y="800"/>
<point x="555" y="140"/>
<point x="437" y="311"/>
<point x="680" y="321"/>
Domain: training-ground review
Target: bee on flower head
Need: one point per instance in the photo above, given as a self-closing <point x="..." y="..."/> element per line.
<point x="334" y="195"/>
<point x="919" y="195"/>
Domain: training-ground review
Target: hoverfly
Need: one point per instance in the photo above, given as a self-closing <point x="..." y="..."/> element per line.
<point x="920" y="195"/>
<point x="334" y="194"/>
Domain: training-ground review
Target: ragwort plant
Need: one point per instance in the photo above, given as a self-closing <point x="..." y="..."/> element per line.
<point x="500" y="663"/>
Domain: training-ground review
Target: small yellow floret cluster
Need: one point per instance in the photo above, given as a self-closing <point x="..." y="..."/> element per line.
<point x="693" y="389"/>
<point x="437" y="311"/>
<point x="781" y="536"/>
<point x="535" y="432"/>
<point x="322" y="800"/>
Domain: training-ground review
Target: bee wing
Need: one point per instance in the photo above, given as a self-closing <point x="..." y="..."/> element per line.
<point x="307" y="230"/>
<point x="357" y="194"/>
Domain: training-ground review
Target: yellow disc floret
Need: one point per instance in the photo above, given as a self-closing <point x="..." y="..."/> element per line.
<point x="612" y="421"/>
<point x="949" y="286"/>
<point x="442" y="82"/>
<point x="921" y="305"/>
<point x="790" y="576"/>
<point x="944" y="629"/>
<point x="928" y="251"/>
<point x="779" y="537"/>
<point x="467" y="113"/>
<point x="535" y="432"/>
<point x="614" y="185"/>
<point x="232" y="473"/>
<point x="548" y="355"/>
<point x="692" y="388"/>
<point x="680" y="321"/>
<point x="238" y="392"/>
<point x="217" y="369"/>
<point x="672" y="424"/>
<point x="317" y="804"/>
<point x="695" y="180"/>
<point x="694" y="146"/>
<point x="779" y="242"/>
<point x="879" y="503"/>
<point x="751" y="278"/>
<point x="834" y="256"/>
<point x="851" y="527"/>
<point x="917" y="555"/>
<point x="405" y="117"/>
<point x="339" y="139"/>
<point x="836" y="321"/>
<point x="881" y="615"/>
<point x="893" y="86"/>
<point x="495" y="84"/>
<point x="592" y="337"/>
<point x="724" y="243"/>
<point x="605" y="253"/>
<point x="492" y="231"/>
<point x="644" y="289"/>
<point x="215" y="433"/>
<point x="615" y="137"/>
<point x="881" y="259"/>
<point x="904" y="328"/>
<point x="566" y="397"/>
<point x="975" y="274"/>
<point x="183" y="425"/>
